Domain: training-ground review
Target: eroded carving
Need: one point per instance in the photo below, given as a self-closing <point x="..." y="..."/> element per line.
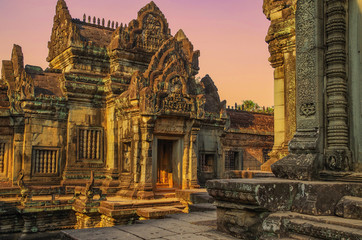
<point x="307" y="109"/>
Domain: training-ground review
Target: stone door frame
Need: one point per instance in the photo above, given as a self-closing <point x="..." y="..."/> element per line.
<point x="177" y="158"/>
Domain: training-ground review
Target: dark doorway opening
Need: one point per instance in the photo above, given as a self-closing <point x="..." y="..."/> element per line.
<point x="164" y="163"/>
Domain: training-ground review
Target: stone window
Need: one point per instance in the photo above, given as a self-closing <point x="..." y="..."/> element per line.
<point x="126" y="157"/>
<point x="45" y="160"/>
<point x="2" y="157"/>
<point x="207" y="162"/>
<point x="90" y="142"/>
<point x="231" y="160"/>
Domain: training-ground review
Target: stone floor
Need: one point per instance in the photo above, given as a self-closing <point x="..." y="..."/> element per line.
<point x="194" y="225"/>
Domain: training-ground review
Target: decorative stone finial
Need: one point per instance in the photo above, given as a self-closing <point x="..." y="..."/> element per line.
<point x="84" y="17"/>
<point x="112" y="24"/>
<point x="180" y="35"/>
<point x="89" y="19"/>
<point x="94" y="20"/>
<point x="116" y="24"/>
<point x="98" y="21"/>
<point x="109" y="23"/>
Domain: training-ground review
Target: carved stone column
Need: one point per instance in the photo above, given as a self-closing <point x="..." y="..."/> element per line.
<point x="306" y="148"/>
<point x="145" y="184"/>
<point x="281" y="40"/>
<point x="186" y="159"/>
<point x="18" y="147"/>
<point x="338" y="156"/>
<point x="136" y="149"/>
<point x="193" y="158"/>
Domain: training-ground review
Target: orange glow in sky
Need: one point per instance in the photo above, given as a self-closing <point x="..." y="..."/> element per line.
<point x="229" y="33"/>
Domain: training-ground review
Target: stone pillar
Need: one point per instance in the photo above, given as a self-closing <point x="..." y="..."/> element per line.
<point x="281" y="40"/>
<point x="306" y="147"/>
<point x="18" y="147"/>
<point x="112" y="138"/>
<point x="186" y="160"/>
<point x="27" y="148"/>
<point x="145" y="189"/>
<point x="355" y="79"/>
<point x="136" y="149"/>
<point x="338" y="156"/>
<point x="193" y="158"/>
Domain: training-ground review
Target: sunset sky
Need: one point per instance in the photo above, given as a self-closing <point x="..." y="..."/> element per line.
<point x="229" y="33"/>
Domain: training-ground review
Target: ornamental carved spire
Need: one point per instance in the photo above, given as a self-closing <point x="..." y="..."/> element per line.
<point x="62" y="31"/>
<point x="146" y="33"/>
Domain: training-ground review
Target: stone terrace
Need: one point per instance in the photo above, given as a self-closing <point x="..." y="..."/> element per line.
<point x="196" y="225"/>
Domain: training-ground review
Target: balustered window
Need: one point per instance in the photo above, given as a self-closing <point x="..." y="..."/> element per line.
<point x="230" y="160"/>
<point x="2" y="157"/>
<point x="45" y="160"/>
<point x="207" y="162"/>
<point x="90" y="142"/>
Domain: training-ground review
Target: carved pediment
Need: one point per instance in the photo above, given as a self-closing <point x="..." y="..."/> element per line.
<point x="146" y="33"/>
<point x="20" y="84"/>
<point x="63" y="33"/>
<point x="164" y="88"/>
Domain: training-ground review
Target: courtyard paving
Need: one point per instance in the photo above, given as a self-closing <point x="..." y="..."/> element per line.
<point x="194" y="225"/>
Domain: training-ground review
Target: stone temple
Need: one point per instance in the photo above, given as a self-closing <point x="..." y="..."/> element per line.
<point x="117" y="113"/>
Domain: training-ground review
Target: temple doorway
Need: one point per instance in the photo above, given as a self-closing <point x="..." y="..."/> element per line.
<point x="167" y="162"/>
<point x="164" y="163"/>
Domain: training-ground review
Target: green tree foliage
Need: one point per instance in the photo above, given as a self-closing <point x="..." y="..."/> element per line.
<point x="251" y="106"/>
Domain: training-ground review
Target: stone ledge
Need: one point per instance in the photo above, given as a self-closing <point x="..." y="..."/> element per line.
<point x="287" y="224"/>
<point x="349" y="207"/>
<point x="273" y="194"/>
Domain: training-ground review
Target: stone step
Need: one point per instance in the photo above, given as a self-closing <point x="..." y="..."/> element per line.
<point x="165" y="193"/>
<point x="119" y="205"/>
<point x="323" y="230"/>
<point x="349" y="207"/>
<point x="159" y="212"/>
<point x="194" y="196"/>
<point x="6" y="192"/>
<point x="165" y="189"/>
<point x="300" y="237"/>
<point x="302" y="226"/>
<point x="160" y="195"/>
<point x="202" y="207"/>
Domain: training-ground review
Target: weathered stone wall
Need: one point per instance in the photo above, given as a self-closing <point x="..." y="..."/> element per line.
<point x="250" y="134"/>
<point x="281" y="40"/>
<point x="88" y="119"/>
<point x="209" y="143"/>
<point x="45" y="135"/>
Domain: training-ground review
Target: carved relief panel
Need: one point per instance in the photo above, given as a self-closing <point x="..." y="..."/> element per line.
<point x="151" y="36"/>
<point x="126" y="157"/>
